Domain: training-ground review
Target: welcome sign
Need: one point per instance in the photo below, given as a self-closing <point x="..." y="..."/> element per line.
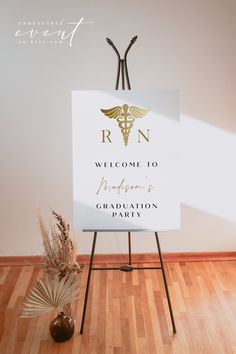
<point x="126" y="160"/>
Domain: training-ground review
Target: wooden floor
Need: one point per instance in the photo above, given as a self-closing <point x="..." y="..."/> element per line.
<point x="128" y="312"/>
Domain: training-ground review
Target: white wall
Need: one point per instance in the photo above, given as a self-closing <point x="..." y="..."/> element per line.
<point x="182" y="44"/>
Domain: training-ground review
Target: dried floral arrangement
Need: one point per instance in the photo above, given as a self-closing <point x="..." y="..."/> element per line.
<point x="59" y="256"/>
<point x="58" y="286"/>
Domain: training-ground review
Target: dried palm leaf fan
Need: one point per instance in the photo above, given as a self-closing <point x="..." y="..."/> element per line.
<point x="50" y="294"/>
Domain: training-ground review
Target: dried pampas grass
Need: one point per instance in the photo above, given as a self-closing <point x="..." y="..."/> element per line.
<point x="59" y="258"/>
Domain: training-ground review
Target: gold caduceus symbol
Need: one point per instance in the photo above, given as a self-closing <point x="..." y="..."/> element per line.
<point x="125" y="117"/>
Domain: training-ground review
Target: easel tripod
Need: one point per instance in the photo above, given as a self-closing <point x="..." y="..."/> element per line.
<point x="122" y="66"/>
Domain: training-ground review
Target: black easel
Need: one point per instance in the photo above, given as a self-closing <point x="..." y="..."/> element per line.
<point x="122" y="64"/>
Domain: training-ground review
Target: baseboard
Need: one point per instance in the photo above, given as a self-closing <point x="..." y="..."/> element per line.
<point x="123" y="258"/>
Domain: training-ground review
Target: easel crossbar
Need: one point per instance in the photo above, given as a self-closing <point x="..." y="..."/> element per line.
<point x="119" y="268"/>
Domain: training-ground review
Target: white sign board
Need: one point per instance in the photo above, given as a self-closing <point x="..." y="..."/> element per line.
<point x="126" y="160"/>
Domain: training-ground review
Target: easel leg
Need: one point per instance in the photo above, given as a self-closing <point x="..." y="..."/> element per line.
<point x="88" y="282"/>
<point x="122" y="74"/>
<point x="118" y="76"/>
<point x="165" y="283"/>
<point x="129" y="244"/>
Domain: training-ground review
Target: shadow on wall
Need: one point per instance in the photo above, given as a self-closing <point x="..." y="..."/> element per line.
<point x="208" y="177"/>
<point x="200" y="231"/>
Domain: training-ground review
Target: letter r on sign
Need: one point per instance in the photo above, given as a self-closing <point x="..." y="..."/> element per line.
<point x="106" y="135"/>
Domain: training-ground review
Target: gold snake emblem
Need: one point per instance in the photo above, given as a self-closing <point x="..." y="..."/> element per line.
<point x="125" y="116"/>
